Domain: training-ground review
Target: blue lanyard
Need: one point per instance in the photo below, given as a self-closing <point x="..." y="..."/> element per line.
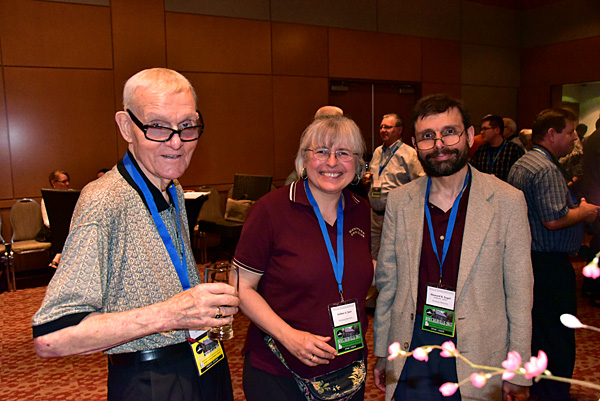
<point x="337" y="263"/>
<point x="540" y="150"/>
<point x="382" y="167"/>
<point x="451" y="223"/>
<point x="160" y="225"/>
<point x="491" y="162"/>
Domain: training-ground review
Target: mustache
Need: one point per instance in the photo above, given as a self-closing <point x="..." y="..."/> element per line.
<point x="443" y="151"/>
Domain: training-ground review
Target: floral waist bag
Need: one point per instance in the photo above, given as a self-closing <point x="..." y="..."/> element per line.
<point x="340" y="385"/>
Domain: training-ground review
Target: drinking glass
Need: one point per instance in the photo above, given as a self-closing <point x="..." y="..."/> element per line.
<point x="222" y="272"/>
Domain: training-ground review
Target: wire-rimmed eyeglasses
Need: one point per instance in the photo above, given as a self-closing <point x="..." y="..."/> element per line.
<point x="448" y="136"/>
<point x="340" y="155"/>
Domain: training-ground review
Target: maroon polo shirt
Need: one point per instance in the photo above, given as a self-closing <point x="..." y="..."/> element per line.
<point x="282" y="240"/>
<point x="429" y="269"/>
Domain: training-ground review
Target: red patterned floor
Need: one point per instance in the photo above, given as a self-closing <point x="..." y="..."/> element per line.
<point x="24" y="376"/>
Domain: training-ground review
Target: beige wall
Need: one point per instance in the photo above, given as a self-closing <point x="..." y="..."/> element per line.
<point x="261" y="69"/>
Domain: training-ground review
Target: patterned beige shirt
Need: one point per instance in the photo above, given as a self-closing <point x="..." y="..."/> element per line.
<point x="114" y="259"/>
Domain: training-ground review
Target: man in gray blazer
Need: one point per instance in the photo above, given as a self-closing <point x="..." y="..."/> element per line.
<point x="454" y="265"/>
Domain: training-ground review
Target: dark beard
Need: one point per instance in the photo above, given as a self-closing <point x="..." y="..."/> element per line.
<point x="447" y="167"/>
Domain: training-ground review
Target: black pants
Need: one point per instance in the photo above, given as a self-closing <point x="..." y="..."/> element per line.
<point x="421" y="380"/>
<point x="262" y="386"/>
<point x="553" y="295"/>
<point x="170" y="379"/>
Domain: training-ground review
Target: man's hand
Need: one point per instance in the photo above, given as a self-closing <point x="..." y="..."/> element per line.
<point x="590" y="212"/>
<point x="198" y="307"/>
<point x="514" y="392"/>
<point x="379" y="374"/>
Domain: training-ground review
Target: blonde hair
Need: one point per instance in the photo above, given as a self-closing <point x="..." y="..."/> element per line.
<point x="161" y="80"/>
<point x="328" y="132"/>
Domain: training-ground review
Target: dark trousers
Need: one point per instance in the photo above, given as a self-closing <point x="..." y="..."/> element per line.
<point x="262" y="386"/>
<point x="553" y="295"/>
<point x="421" y="380"/>
<point x="169" y="379"/>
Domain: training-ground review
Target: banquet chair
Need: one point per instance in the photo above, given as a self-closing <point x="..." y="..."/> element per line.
<point x="60" y="205"/>
<point x="26" y="221"/>
<point x="245" y="191"/>
<point x="5" y="259"/>
<point x="212" y="221"/>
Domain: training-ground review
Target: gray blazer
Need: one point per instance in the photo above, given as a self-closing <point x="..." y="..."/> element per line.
<point x="494" y="294"/>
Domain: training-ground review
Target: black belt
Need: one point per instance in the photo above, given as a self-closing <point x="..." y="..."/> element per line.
<point x="379" y="212"/>
<point x="131" y="358"/>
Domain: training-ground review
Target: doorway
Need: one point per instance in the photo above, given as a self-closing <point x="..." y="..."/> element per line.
<point x="366" y="102"/>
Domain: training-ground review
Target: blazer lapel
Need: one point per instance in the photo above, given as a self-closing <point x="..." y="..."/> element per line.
<point x="413" y="220"/>
<point x="477" y="223"/>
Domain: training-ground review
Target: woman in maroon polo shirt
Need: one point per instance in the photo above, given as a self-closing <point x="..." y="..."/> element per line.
<point x="305" y="267"/>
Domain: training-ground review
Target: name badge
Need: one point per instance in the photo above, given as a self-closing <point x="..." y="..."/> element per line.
<point x="207" y="353"/>
<point x="438" y="312"/>
<point x="375" y="192"/>
<point x="347" y="330"/>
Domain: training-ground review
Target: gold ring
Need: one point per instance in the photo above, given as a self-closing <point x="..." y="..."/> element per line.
<point x="218" y="315"/>
<point x="312" y="357"/>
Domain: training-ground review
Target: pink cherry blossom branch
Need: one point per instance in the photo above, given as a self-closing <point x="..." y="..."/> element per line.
<point x="535" y="368"/>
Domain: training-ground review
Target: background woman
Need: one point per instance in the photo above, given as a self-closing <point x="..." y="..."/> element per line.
<point x="288" y="285"/>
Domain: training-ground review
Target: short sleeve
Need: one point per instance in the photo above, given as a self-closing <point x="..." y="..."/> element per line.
<point x="552" y="204"/>
<point x="254" y="248"/>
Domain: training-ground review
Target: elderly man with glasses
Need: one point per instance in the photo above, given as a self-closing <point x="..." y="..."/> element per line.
<point x="454" y="265"/>
<point x="128" y="283"/>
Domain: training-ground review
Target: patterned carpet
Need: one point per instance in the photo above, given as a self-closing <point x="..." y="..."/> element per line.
<point x="24" y="376"/>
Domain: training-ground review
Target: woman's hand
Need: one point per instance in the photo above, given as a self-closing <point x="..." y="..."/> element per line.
<point x="310" y="349"/>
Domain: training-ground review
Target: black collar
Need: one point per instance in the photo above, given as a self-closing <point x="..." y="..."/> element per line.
<point x="159" y="199"/>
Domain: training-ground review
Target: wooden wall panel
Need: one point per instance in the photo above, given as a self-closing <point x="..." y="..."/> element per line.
<point x="488" y="65"/>
<point x="441" y="61"/>
<point x="428" y="88"/>
<point x="490" y="25"/>
<point x="425" y="18"/>
<point x="350" y="14"/>
<point x="368" y="55"/>
<point x="295" y="101"/>
<point x="561" y="22"/>
<point x="59" y="119"/>
<point x="299" y="50"/>
<point x="561" y="63"/>
<point x="46" y="34"/>
<point x="252" y="9"/>
<point x="238" y="114"/>
<point x="532" y="100"/>
<point x="6" y="182"/>
<point x="214" y="44"/>
<point x="483" y="100"/>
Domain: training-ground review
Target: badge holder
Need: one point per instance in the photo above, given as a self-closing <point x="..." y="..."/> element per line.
<point x="438" y="312"/>
<point x="347" y="329"/>
<point x="207" y="352"/>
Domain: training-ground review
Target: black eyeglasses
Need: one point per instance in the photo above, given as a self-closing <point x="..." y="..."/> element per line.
<point x="157" y="133"/>
<point x="448" y="136"/>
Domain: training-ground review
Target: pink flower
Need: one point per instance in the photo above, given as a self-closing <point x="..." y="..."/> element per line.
<point x="448" y="349"/>
<point x="513" y="361"/>
<point x="447" y="389"/>
<point x="420" y="354"/>
<point x="394" y="350"/>
<point x="536" y="366"/>
<point x="478" y="380"/>
<point x="511" y="364"/>
<point x="592" y="271"/>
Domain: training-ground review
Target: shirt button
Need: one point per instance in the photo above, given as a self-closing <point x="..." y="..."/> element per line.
<point x="441" y="237"/>
<point x="412" y="316"/>
<point x="406" y="345"/>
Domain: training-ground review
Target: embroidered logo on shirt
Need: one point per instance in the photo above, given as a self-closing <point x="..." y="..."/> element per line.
<point x="357" y="231"/>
